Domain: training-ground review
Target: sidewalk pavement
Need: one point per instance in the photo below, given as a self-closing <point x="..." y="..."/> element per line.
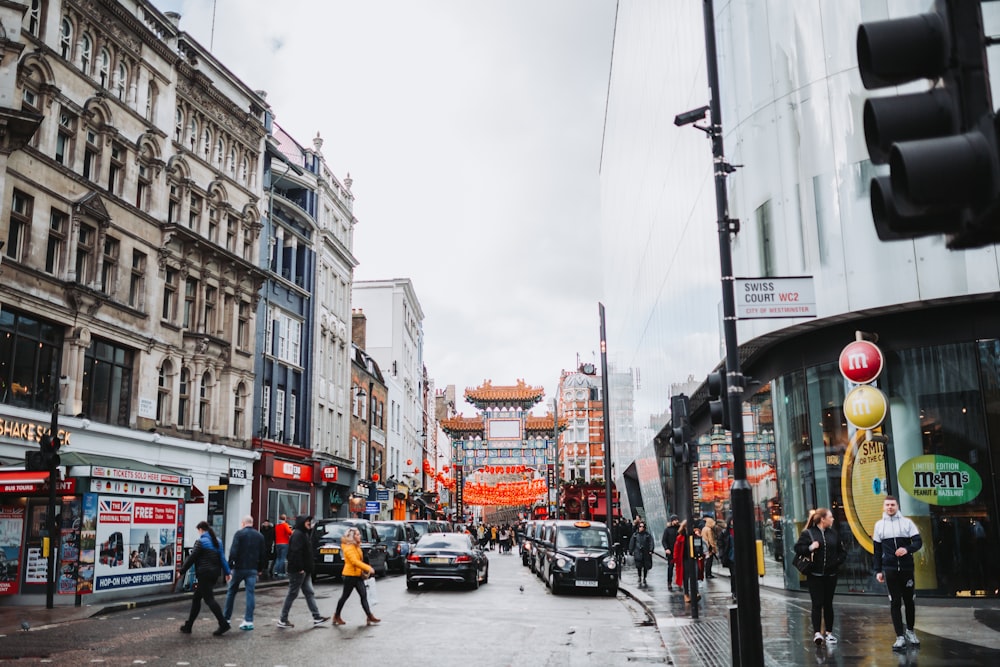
<point x="64" y="610"/>
<point x="952" y="633"/>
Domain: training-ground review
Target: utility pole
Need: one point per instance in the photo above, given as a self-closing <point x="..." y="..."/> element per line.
<point x="605" y="402"/>
<point x="750" y="642"/>
<point x="50" y="452"/>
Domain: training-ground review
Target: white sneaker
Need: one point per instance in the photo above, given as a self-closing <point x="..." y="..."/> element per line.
<point x="246" y="625"/>
<point x="285" y="624"/>
<point x="830" y="639"/>
<point x="818" y="639"/>
<point x="899" y="644"/>
<point x="911" y="637"/>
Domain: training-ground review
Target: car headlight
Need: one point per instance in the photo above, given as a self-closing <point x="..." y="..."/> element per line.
<point x="610" y="563"/>
<point x="561" y="562"/>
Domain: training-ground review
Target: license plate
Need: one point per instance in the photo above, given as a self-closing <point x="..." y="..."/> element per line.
<point x="438" y="561"/>
<point x="330" y="550"/>
<point x="328" y="558"/>
<point x="589" y="583"/>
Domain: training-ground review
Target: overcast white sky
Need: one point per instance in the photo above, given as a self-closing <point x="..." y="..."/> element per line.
<point x="472" y="130"/>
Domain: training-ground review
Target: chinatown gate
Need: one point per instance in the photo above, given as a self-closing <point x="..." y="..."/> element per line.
<point x="502" y="458"/>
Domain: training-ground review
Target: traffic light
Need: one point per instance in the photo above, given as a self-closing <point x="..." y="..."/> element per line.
<point x="940" y="145"/>
<point x="49" y="445"/>
<point x="718" y="404"/>
<point x="680" y="431"/>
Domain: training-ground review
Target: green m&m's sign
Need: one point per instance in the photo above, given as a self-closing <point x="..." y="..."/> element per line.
<point x="940" y="480"/>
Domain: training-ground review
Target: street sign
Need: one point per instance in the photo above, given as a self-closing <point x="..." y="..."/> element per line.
<point x="865" y="407"/>
<point x="861" y="362"/>
<point x="768" y="298"/>
<point x="382" y="495"/>
<point x="373" y="507"/>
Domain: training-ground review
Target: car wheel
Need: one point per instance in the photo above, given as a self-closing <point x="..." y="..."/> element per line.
<point x="611" y="592"/>
<point x="412" y="585"/>
<point x="486" y="575"/>
<point x="474" y="584"/>
<point x="552" y="583"/>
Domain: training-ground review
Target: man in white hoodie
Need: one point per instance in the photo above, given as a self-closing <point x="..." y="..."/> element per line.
<point x="896" y="538"/>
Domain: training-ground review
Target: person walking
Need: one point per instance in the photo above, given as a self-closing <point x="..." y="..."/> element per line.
<point x="299" y="571"/>
<point x="896" y="538"/>
<point x="282" y="533"/>
<point x="267" y="530"/>
<point x="822" y="543"/>
<point x="209" y="563"/>
<point x="668" y="539"/>
<point x="356" y="570"/>
<point x="641" y="547"/>
<point x="711" y="548"/>
<point x="247" y="559"/>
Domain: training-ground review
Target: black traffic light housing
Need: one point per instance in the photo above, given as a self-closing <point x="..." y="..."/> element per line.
<point x="49" y="446"/>
<point x="940" y="145"/>
<point x="718" y="403"/>
<point x="681" y="432"/>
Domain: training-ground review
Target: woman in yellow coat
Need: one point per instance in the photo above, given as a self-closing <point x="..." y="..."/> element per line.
<point x="356" y="570"/>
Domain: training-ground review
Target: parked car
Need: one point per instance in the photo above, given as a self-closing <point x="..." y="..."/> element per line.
<point x="580" y="556"/>
<point x="447" y="557"/>
<point x="398" y="536"/>
<point x="424" y="526"/>
<point x="326" y="545"/>
<point x="526" y="545"/>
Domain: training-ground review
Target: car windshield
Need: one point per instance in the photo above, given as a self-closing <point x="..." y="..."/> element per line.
<point x="386" y="532"/>
<point x="582" y="538"/>
<point x="331" y="532"/>
<point x="444" y="541"/>
<point x="419" y="528"/>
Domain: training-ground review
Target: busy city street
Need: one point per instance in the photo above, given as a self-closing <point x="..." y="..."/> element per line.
<point x="512" y="620"/>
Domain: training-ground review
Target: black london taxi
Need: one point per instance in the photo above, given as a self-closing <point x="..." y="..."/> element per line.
<point x="580" y="556"/>
<point x="326" y="546"/>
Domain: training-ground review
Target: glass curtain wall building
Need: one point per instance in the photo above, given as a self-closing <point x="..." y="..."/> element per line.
<point x="791" y="101"/>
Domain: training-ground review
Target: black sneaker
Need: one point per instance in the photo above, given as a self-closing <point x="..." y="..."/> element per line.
<point x="320" y="621"/>
<point x="222" y="629"/>
<point x="186" y="628"/>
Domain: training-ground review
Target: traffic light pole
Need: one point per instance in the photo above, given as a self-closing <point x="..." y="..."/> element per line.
<point x="53" y="461"/>
<point x="609" y="505"/>
<point x="750" y="642"/>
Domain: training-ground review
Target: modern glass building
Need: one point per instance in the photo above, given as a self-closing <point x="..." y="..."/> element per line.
<point x="791" y="111"/>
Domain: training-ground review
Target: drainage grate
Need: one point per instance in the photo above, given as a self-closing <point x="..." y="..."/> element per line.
<point x="703" y="640"/>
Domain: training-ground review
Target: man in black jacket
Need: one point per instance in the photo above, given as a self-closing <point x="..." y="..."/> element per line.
<point x="247" y="559"/>
<point x="669" y="537"/>
<point x="300" y="569"/>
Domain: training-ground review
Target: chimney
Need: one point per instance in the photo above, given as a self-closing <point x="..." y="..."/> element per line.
<point x="359" y="326"/>
<point x="174" y="18"/>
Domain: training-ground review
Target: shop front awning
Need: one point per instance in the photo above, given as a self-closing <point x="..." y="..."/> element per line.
<point x="117" y="475"/>
<point x="601" y="511"/>
<point x="22" y="481"/>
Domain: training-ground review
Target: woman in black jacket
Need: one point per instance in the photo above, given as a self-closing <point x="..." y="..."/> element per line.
<point x="209" y="563"/>
<point x="822" y="543"/>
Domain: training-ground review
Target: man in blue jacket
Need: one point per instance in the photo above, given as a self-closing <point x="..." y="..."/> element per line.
<point x="896" y="538"/>
<point x="247" y="559"/>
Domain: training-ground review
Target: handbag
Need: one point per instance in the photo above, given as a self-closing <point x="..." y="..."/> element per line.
<point x="372" y="591"/>
<point x="803" y="563"/>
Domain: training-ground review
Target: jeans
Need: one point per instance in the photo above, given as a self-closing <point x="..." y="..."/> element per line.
<point x="821" y="590"/>
<point x="300" y="581"/>
<point x="281" y="553"/>
<point x="250" y="577"/>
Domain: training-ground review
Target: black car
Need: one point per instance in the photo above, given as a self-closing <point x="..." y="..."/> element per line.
<point x="580" y="556"/>
<point x="447" y="557"/>
<point x="398" y="536"/>
<point x="326" y="545"/>
<point x="424" y="526"/>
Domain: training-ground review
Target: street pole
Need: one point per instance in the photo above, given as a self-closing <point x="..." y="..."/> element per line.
<point x="52" y="530"/>
<point x="608" y="504"/>
<point x="747" y="589"/>
<point x="555" y="439"/>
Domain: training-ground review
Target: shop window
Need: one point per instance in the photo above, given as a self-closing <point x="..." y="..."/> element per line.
<point x="289" y="503"/>
<point x="30" y="350"/>
<point x="107" y="383"/>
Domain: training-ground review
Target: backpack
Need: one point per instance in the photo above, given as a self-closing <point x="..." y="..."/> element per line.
<point x="724" y="544"/>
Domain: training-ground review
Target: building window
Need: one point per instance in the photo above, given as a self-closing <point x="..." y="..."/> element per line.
<point x="85" y="254"/>
<point x="220" y="151"/>
<point x="58" y="222"/>
<point x="243" y="326"/>
<point x="194" y="213"/>
<point x="152" y="93"/>
<point x="183" y="397"/>
<point x="104" y="68"/>
<point x="265" y="413"/>
<point x="169" y="312"/>
<point x="30" y="351"/>
<point x="86" y="48"/>
<point x="90" y="154"/>
<point x="64" y="138"/>
<point x="116" y="170"/>
<point x="232" y="162"/>
<point x="65" y="39"/>
<point x="239" y="407"/>
<point x="204" y="402"/>
<point x="190" y="295"/>
<point x="192" y="133"/>
<point x="121" y="82"/>
<point x="142" y="189"/>
<point x="35" y="18"/>
<point x="247" y="246"/>
<point x="206" y="144"/>
<point x="208" y="321"/>
<point x="107" y="383"/>
<point x="213" y="224"/>
<point x="163" y="393"/>
<point x="178" y="125"/>
<point x="174" y="205"/>
<point x="245" y="171"/>
<point x="109" y="267"/>
<point x="137" y="281"/>
<point x="292" y="406"/>
<point x="20" y="225"/>
<point x="279" y="414"/>
<point x="232" y="225"/>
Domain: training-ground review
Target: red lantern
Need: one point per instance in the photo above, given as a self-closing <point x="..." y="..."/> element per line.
<point x="409" y="462"/>
<point x="374" y="476"/>
<point x="446" y="468"/>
